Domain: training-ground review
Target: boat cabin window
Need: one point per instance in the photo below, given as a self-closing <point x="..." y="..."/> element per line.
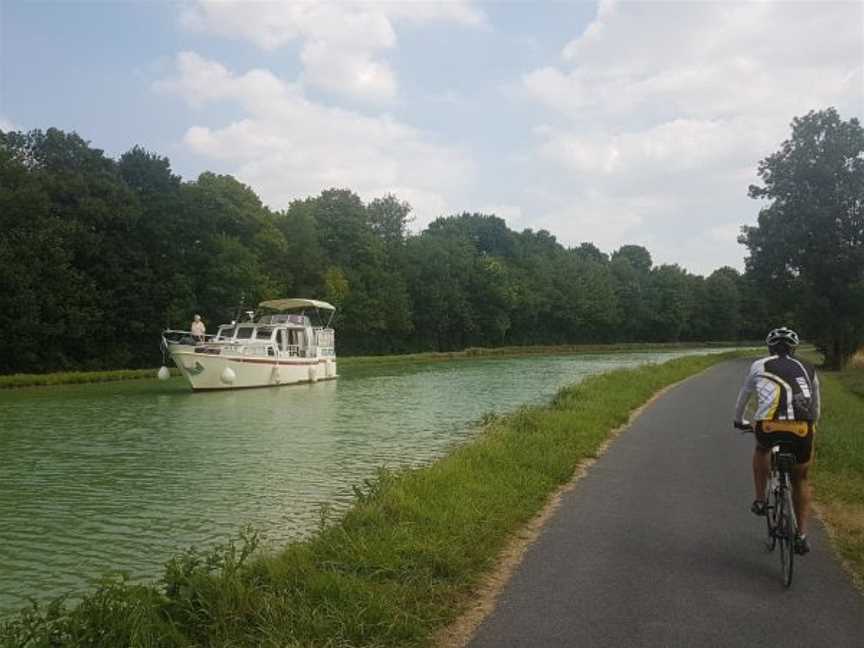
<point x="285" y="318"/>
<point x="244" y="332"/>
<point x="225" y="333"/>
<point x="263" y="333"/>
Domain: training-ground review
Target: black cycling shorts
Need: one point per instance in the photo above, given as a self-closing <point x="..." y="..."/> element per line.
<point x="801" y="447"/>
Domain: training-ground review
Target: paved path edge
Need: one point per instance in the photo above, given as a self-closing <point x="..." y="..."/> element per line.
<point x="481" y="601"/>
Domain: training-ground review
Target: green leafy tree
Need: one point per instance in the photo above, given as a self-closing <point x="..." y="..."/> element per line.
<point x="631" y="269"/>
<point x="721" y="305"/>
<point x="389" y="218"/>
<point x="375" y="316"/>
<point x="83" y="189"/>
<point x="233" y="275"/>
<point x="47" y="305"/>
<point x="590" y="252"/>
<point x="595" y="300"/>
<point x="336" y="287"/>
<point x="638" y="256"/>
<point x="438" y="270"/>
<point x="669" y="303"/>
<point x="304" y="257"/>
<point x="808" y="246"/>
<point x="164" y="284"/>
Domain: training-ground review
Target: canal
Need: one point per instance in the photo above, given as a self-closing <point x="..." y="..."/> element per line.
<point x="118" y="477"/>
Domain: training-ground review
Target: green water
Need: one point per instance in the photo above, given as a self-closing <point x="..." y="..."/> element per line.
<point x="103" y="478"/>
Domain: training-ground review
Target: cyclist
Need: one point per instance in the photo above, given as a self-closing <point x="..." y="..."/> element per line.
<point x="787" y="390"/>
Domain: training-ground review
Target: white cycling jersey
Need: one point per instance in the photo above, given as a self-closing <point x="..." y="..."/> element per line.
<point x="787" y="389"/>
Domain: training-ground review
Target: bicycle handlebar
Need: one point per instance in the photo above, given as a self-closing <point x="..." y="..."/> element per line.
<point x="744" y="426"/>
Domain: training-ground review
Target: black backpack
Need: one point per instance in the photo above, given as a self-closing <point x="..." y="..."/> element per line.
<point x="802" y="404"/>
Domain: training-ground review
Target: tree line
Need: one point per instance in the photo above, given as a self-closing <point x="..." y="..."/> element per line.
<point x="98" y="255"/>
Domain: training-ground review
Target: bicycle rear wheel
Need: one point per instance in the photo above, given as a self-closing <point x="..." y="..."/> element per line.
<point x="771" y="517"/>
<point x="785" y="534"/>
<point x="771" y="523"/>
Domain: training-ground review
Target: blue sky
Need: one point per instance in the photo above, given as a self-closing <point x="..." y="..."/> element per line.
<point x="611" y="122"/>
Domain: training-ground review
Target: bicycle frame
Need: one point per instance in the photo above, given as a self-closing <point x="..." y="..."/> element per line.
<point x="782" y="523"/>
<point x="779" y="506"/>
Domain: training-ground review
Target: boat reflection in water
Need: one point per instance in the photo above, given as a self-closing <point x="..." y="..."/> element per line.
<point x="293" y="344"/>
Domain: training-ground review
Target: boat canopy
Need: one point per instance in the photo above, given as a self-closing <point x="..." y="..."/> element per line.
<point x="289" y="304"/>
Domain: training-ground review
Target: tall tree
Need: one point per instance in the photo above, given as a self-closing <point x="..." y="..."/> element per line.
<point x="389" y="218"/>
<point x="808" y="245"/>
<point x="721" y="304"/>
<point x="670" y="302"/>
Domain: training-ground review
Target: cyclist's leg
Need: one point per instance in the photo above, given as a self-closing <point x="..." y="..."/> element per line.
<point x="761" y="468"/>
<point x="800" y="481"/>
<point x="801" y="495"/>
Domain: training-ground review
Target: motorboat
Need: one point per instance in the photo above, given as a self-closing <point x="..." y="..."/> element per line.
<point x="283" y="342"/>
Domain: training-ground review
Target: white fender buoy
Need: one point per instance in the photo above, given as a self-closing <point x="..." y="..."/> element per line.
<point x="228" y="376"/>
<point x="276" y="375"/>
<point x="164" y="373"/>
<point x="313" y="374"/>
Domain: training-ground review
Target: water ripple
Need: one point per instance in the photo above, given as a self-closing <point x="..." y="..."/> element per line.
<point x="119" y="477"/>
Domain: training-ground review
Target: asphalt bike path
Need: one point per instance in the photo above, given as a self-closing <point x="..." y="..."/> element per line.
<point x="656" y="547"/>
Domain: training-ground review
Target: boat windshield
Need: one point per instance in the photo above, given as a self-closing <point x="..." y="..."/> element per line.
<point x="225" y="332"/>
<point x="244" y="332"/>
<point x="285" y="318"/>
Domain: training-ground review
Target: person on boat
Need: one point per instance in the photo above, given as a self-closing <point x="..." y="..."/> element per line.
<point x="788" y="406"/>
<point x="198" y="329"/>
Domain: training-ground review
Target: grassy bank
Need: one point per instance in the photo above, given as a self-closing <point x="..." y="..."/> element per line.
<point x="398" y="566"/>
<point x="12" y="381"/>
<point x="838" y="474"/>
<point x="513" y="351"/>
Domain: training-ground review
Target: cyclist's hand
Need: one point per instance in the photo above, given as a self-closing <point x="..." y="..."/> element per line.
<point x="743" y="425"/>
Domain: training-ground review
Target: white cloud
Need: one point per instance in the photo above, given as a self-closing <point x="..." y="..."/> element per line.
<point x="595" y="216"/>
<point x="676" y="103"/>
<point x="512" y="214"/>
<point x="342" y="42"/>
<point x="287" y="147"/>
<point x="673" y="147"/>
<point x="6" y="125"/>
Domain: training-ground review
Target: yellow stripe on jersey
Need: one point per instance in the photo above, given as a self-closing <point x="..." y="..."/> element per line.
<point x="775" y="404"/>
<point x="781" y="384"/>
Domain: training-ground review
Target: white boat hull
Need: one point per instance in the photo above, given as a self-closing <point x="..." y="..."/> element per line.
<point x="206" y="371"/>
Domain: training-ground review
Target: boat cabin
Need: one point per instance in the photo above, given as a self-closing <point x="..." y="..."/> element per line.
<point x="288" y="337"/>
<point x="290" y="342"/>
<point x="279" y="334"/>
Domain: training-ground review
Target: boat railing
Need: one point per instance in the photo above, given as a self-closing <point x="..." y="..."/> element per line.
<point x="324" y="337"/>
<point x="177" y="336"/>
<point x="269" y="349"/>
<point x="250" y="347"/>
<point x="259" y="349"/>
<point x="293" y="351"/>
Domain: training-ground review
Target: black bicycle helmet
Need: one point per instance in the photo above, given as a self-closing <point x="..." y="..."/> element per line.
<point x="782" y="335"/>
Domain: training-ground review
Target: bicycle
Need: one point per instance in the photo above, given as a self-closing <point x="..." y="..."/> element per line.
<point x="779" y="509"/>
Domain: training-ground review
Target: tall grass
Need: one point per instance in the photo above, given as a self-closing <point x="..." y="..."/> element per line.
<point x="838" y="474"/>
<point x="399" y="565"/>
